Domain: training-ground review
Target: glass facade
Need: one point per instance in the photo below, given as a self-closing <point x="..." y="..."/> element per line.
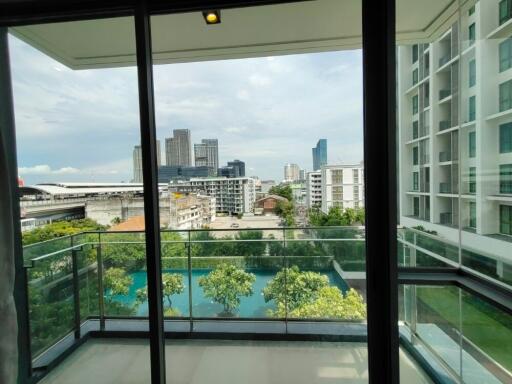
<point x="506" y="138"/>
<point x="505" y="95"/>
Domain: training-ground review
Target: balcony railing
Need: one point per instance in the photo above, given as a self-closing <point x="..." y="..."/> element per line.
<point x="443" y="60"/>
<point x="445" y="188"/>
<point x="101" y="276"/>
<point x="444" y="93"/>
<point x="445" y="124"/>
<point x="95" y="281"/>
<point x="445" y="156"/>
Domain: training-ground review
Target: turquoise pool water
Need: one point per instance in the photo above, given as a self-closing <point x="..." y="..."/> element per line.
<point x="252" y="306"/>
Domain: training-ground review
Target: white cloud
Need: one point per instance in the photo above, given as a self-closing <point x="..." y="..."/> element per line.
<point x="45" y="169"/>
<point x="258" y="80"/>
<point x="235" y="129"/>
<point x="243" y="94"/>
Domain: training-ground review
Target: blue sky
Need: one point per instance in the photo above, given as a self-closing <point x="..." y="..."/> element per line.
<point x="82" y="125"/>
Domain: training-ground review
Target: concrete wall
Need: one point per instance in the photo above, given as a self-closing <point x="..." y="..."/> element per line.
<point x="104" y="211"/>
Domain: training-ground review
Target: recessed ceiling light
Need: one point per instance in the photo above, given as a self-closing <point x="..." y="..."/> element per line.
<point x="212" y="17"/>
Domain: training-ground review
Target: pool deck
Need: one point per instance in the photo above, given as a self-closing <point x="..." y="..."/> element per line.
<point x="109" y="361"/>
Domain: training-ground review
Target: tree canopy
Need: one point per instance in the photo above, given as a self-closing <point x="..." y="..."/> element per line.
<point x="306" y="294"/>
<point x="283" y="191"/>
<point x="291" y="287"/>
<point x="226" y="284"/>
<point x="336" y="217"/>
<point x="116" y="282"/>
<point x="60" y="229"/>
<point x="172" y="284"/>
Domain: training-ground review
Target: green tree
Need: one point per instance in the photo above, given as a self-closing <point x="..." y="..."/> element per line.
<point x="291" y="288"/>
<point x="226" y="284"/>
<point x="330" y="303"/>
<point x="116" y="282"/>
<point x="172" y="284"/>
<point x="60" y="229"/>
<point x="283" y="191"/>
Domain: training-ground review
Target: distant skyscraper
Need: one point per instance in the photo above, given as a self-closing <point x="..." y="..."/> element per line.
<point x="137" y="161"/>
<point x="291" y="172"/>
<point x="207" y="153"/>
<point x="137" y="164"/>
<point x="238" y="164"/>
<point x="320" y="154"/>
<point x="178" y="149"/>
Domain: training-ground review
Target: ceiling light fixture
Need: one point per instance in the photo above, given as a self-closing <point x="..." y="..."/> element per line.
<point x="212" y="17"/>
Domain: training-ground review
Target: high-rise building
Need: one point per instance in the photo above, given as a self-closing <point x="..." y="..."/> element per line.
<point x="207" y="153"/>
<point x="342" y="186"/>
<point x="320" y="154"/>
<point x="178" y="149"/>
<point x="137" y="161"/>
<point x="137" y="164"/>
<point x="238" y="164"/>
<point x="291" y="172"/>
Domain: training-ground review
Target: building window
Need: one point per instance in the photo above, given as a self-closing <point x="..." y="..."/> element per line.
<point x="471" y="10"/>
<point x="506" y="219"/>
<point x="472" y="179"/>
<point x="506" y="138"/>
<point x="355" y="176"/>
<point x="472" y="108"/>
<point x="506" y="95"/>
<point x="506" y="54"/>
<point x="472" y="144"/>
<point x="337" y="194"/>
<point x="356" y="193"/>
<point x="416" y="206"/>
<point x="414" y="53"/>
<point x="415" y="129"/>
<point x="472" y="73"/>
<point x="505" y="11"/>
<point x="506" y="178"/>
<point x="415" y="76"/>
<point x="415" y="156"/>
<point x="472" y="34"/>
<point x="415" y="181"/>
<point x="415" y="104"/>
<point x="472" y="215"/>
<point x="337" y="176"/>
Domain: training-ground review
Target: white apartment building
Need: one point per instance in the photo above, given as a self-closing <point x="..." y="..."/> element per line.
<point x="314" y="189"/>
<point x="455" y="133"/>
<point x="232" y="195"/>
<point x="342" y="186"/>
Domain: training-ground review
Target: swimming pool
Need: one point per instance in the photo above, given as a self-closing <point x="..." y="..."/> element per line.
<point x="253" y="306"/>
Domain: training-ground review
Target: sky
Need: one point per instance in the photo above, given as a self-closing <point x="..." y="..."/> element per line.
<point x="82" y="125"/>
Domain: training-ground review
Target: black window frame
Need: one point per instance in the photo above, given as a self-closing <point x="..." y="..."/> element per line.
<point x="379" y="70"/>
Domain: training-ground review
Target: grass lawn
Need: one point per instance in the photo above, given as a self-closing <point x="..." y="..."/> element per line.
<point x="487" y="327"/>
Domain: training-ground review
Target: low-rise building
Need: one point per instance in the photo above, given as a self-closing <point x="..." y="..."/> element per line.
<point x="191" y="210"/>
<point x="269" y="203"/>
<point x="342" y="186"/>
<point x="232" y="195"/>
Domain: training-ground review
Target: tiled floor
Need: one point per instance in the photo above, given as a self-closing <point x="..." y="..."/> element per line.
<point x="106" y="361"/>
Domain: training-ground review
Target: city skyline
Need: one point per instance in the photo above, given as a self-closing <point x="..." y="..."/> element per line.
<point x="89" y="124"/>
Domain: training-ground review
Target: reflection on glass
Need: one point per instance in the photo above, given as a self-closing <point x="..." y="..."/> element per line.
<point x="460" y="335"/>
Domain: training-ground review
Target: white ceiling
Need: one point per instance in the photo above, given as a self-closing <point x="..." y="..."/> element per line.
<point x="312" y="26"/>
